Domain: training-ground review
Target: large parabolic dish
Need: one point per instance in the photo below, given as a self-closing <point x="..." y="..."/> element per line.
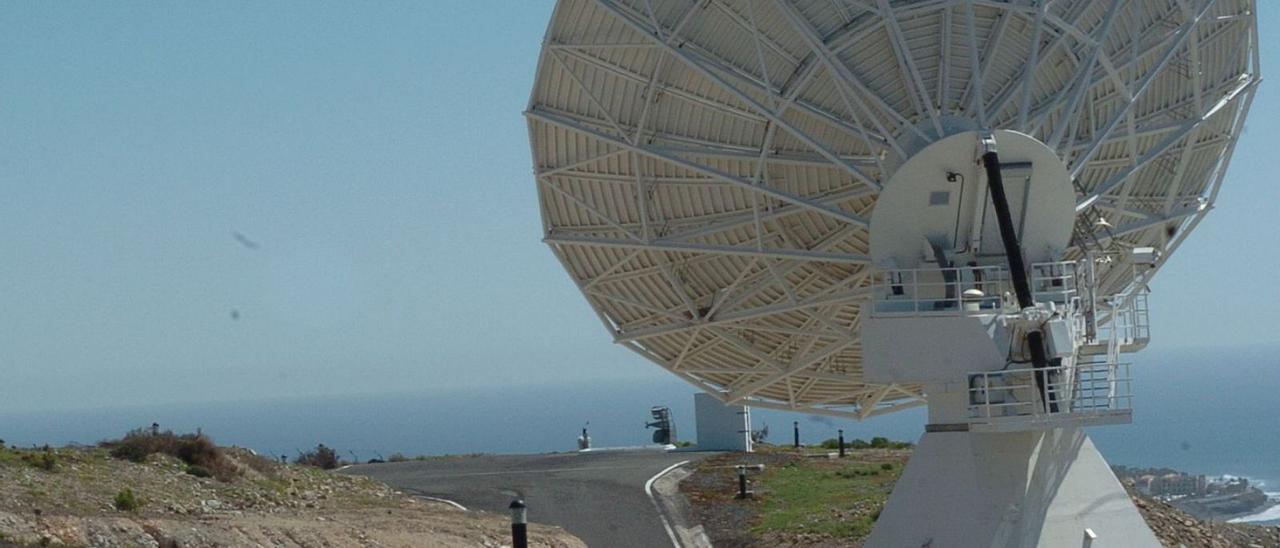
<point x="707" y="170"/>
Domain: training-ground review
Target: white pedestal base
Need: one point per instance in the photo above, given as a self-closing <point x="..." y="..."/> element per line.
<point x="1020" y="489"/>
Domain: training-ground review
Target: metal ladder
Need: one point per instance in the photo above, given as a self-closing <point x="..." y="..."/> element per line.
<point x="1095" y="373"/>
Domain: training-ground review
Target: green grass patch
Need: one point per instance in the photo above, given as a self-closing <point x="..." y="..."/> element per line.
<point x="41" y="459"/>
<point x="841" y="499"/>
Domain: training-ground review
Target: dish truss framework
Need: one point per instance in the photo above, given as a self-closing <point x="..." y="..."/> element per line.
<point x="706" y="169"/>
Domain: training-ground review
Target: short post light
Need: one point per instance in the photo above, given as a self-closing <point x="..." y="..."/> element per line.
<point x="743" y="492"/>
<point x="519" y="524"/>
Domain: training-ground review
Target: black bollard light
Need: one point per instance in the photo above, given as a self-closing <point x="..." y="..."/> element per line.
<point x="519" y="524"/>
<point x="795" y="427"/>
<point x="743" y="492"/>
<point x="840" y="439"/>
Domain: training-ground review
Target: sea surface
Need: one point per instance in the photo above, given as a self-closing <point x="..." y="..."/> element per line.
<point x="1199" y="411"/>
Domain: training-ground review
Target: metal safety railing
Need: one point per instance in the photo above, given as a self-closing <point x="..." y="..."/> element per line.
<point x="939" y="291"/>
<point x="1056" y="283"/>
<point x="1128" y="323"/>
<point x="970" y="289"/>
<point x="1074" y="390"/>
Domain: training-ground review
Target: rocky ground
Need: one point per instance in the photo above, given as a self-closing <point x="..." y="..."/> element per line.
<point x="710" y="492"/>
<point x="69" y="498"/>
<point x="1177" y="528"/>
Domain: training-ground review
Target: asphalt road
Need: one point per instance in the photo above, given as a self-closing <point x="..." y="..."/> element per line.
<point x="597" y="496"/>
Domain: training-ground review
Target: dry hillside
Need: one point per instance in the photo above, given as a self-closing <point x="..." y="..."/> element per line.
<point x="77" y="497"/>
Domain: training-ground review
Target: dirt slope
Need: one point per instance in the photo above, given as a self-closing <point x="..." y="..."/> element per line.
<point x="73" y="504"/>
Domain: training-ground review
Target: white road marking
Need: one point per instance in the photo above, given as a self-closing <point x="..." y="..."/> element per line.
<point x="446" y="501"/>
<point x="648" y="490"/>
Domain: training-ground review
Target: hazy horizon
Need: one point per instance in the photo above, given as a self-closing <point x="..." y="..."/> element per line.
<point x="1146" y="359"/>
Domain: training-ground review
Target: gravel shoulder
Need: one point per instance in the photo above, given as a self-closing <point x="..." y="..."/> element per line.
<point x="73" y="503"/>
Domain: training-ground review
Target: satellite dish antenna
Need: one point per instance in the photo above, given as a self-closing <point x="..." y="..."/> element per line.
<point x="786" y="203"/>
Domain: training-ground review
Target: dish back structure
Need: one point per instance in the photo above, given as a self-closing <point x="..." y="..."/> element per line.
<point x="707" y="170"/>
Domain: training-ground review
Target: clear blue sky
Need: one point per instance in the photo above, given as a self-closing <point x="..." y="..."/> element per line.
<point x="377" y="155"/>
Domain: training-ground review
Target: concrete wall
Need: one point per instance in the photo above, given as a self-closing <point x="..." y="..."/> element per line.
<point x="931" y="349"/>
<point x="1009" y="490"/>
<point x="721" y="427"/>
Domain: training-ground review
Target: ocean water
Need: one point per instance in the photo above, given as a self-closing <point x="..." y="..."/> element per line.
<point x="1202" y="412"/>
<point x="1205" y="412"/>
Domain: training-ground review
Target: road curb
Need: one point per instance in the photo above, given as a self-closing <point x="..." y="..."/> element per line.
<point x="446" y="501"/>
<point x="664" y="490"/>
<point x="648" y="490"/>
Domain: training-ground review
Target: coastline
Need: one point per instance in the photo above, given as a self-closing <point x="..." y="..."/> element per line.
<point x="1266" y="514"/>
<point x="1227" y="498"/>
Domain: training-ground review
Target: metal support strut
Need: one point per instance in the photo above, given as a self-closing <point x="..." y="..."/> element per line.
<point x="1017" y="269"/>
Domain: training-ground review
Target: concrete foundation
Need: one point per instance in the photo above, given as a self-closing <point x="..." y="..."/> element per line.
<point x="1048" y="488"/>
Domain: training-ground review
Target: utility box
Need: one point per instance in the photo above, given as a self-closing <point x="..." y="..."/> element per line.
<point x="721" y="427"/>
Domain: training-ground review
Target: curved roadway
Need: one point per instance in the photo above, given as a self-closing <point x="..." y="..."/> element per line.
<point x="597" y="496"/>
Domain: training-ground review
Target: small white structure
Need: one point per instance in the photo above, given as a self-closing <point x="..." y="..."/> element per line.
<point x="721" y="427"/>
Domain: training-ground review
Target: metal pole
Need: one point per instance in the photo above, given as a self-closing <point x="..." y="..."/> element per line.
<point x="795" y="429"/>
<point x="841" y="440"/>
<point x="519" y="526"/>
<point x="1017" y="268"/>
<point x="1000" y="202"/>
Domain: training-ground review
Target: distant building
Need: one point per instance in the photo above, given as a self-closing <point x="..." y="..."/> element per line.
<point x="1171" y="484"/>
<point x="1232" y="486"/>
<point x="1221" y="498"/>
<point x="1179" y="485"/>
<point x="1143" y="484"/>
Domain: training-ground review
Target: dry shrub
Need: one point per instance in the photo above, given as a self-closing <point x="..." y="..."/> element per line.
<point x="44" y="460"/>
<point x="320" y="457"/>
<point x="194" y="449"/>
<point x="259" y="463"/>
